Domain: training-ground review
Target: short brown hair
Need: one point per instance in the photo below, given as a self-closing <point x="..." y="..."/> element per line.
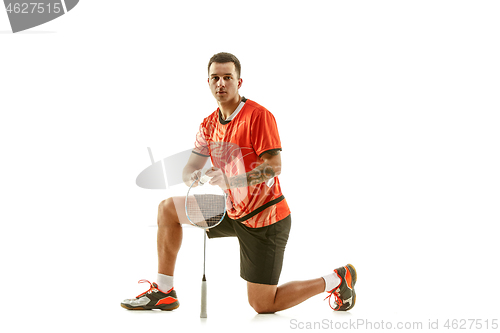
<point x="224" y="57"/>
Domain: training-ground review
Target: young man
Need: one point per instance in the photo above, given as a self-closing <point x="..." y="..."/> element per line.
<point x="241" y="139"/>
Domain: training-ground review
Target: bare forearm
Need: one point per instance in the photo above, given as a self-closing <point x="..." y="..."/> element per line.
<point x="268" y="169"/>
<point x="186" y="174"/>
<point x="260" y="174"/>
<point x="195" y="163"/>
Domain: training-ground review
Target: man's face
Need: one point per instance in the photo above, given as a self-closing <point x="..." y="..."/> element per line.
<point x="223" y="81"/>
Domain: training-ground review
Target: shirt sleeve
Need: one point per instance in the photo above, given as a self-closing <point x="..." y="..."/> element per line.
<point x="201" y="144"/>
<point x="265" y="134"/>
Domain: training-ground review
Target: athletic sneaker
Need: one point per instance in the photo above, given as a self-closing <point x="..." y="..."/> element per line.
<point x="154" y="298"/>
<point x="344" y="294"/>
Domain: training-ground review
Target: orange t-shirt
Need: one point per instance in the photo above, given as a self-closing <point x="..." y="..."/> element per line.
<point x="235" y="145"/>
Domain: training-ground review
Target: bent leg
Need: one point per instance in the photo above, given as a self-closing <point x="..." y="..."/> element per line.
<point x="271" y="298"/>
<point x="169" y="238"/>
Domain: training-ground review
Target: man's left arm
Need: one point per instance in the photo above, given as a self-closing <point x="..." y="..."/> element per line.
<point x="270" y="168"/>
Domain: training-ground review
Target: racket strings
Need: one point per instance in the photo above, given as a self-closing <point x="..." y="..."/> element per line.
<point x="206" y="210"/>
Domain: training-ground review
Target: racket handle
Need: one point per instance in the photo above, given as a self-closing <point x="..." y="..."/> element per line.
<point x="203" y="313"/>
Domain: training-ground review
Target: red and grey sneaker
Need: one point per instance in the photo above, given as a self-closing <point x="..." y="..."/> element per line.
<point x="344" y="294"/>
<point x="154" y="298"/>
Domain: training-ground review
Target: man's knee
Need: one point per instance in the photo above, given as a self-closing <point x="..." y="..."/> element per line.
<point x="166" y="210"/>
<point x="261" y="306"/>
<point x="261" y="298"/>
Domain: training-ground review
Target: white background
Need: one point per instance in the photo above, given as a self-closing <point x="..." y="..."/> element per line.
<point x="388" y="113"/>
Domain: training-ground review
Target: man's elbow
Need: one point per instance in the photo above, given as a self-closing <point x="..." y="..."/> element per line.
<point x="276" y="169"/>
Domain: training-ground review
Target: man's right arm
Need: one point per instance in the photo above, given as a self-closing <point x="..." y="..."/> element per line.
<point x="195" y="163"/>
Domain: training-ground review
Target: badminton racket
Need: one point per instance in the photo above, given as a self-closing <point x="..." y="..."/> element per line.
<point x="205" y="208"/>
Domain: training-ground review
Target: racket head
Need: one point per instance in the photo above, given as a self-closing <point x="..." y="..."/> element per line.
<point x="205" y="205"/>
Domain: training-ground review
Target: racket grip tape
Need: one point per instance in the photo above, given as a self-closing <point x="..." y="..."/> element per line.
<point x="203" y="313"/>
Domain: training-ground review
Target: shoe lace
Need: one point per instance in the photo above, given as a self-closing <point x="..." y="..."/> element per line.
<point x="151" y="288"/>
<point x="336" y="293"/>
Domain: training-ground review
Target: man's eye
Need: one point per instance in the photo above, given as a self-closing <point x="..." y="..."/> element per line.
<point x="227" y="78"/>
<point x="215" y="78"/>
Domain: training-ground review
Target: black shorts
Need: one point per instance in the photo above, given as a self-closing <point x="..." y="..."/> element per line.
<point x="261" y="249"/>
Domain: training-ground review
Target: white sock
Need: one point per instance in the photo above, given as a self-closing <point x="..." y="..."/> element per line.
<point x="165" y="282"/>
<point x="332" y="281"/>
